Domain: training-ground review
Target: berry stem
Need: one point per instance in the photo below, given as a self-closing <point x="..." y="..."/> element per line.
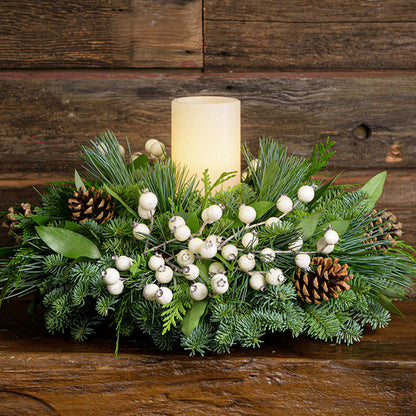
<point x="250" y="226"/>
<point x="173" y="266"/>
<point x="162" y="244"/>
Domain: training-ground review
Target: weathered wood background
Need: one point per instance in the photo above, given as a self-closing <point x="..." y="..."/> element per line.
<point x="304" y="70"/>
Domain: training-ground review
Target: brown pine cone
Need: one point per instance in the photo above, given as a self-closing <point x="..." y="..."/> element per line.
<point x="325" y="279"/>
<point x="91" y="204"/>
<point x="11" y="222"/>
<point x="384" y="230"/>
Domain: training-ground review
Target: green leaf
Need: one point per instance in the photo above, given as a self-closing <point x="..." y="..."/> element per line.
<point x="261" y="207"/>
<point x="225" y="262"/>
<point x="6" y="252"/>
<point x="141" y="162"/>
<point x="385" y="302"/>
<point x="40" y="219"/>
<point x="73" y="226"/>
<point x="307" y="225"/>
<point x="203" y="269"/>
<point x="78" y="181"/>
<point x="68" y="243"/>
<point x="340" y="226"/>
<point x="115" y="196"/>
<point x="193" y="223"/>
<point x="374" y="188"/>
<point x="191" y="319"/>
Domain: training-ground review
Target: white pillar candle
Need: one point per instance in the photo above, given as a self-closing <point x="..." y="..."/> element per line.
<point x="206" y="133"/>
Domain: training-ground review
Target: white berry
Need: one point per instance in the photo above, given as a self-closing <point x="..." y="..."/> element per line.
<point x="175" y="222"/>
<point x="155" y="262"/>
<point x="123" y="263"/>
<point x="191" y="271"/>
<point x="185" y="257"/>
<point x="149" y="291"/>
<point x="110" y="276"/>
<point x="267" y="255"/>
<point x="274" y="277"/>
<point x="195" y="244"/>
<point x="164" y="295"/>
<point x="216" y="267"/>
<point x="157" y="149"/>
<point x="296" y="245"/>
<point x="116" y="288"/>
<point x="198" y="291"/>
<point x="148" y="145"/>
<point x="257" y="281"/>
<point x="306" y="193"/>
<point x="164" y="274"/>
<point x="208" y="250"/>
<point x="146" y="214"/>
<point x="182" y="232"/>
<point x="323" y="247"/>
<point x="229" y="252"/>
<point x="249" y="240"/>
<point x="284" y="204"/>
<point x="246" y="214"/>
<point x="140" y="230"/>
<point x="302" y="260"/>
<point x="211" y="214"/>
<point x="219" y="283"/>
<point x="331" y="237"/>
<point x="214" y="239"/>
<point x="272" y="222"/>
<point x="247" y="262"/>
<point x="148" y="200"/>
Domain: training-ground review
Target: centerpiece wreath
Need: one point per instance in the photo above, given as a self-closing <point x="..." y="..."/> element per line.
<point x="139" y="244"/>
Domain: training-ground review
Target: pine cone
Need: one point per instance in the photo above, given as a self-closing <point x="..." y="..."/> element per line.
<point x="385" y="228"/>
<point x="324" y="279"/>
<point x="91" y="204"/>
<point x="12" y="221"/>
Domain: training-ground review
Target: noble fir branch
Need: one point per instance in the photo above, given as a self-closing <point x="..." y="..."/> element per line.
<point x="54" y="202"/>
<point x="350" y="331"/>
<point x="84" y="326"/>
<point x="200" y="340"/>
<point x="321" y="323"/>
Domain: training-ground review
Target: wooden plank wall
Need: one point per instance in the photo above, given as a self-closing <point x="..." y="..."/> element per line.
<point x="304" y="70"/>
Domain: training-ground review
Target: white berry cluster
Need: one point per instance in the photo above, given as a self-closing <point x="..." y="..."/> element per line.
<point x="239" y="250"/>
<point x="111" y="276"/>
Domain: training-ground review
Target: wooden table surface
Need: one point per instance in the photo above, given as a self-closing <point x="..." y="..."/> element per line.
<point x="45" y="375"/>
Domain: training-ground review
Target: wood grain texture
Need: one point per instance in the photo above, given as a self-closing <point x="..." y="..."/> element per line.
<point x="254" y="45"/>
<point x="100" y="34"/>
<point x="302" y="11"/>
<point x="295" y="377"/>
<point x="45" y="117"/>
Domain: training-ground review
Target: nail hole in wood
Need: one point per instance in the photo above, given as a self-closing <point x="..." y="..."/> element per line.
<point x="361" y="132"/>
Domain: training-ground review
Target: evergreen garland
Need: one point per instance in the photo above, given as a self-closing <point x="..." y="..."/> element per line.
<point x="62" y="261"/>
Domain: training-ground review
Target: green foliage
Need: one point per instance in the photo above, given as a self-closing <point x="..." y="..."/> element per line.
<point x="320" y="157"/>
<point x="174" y="187"/>
<point x="174" y="311"/>
<point x="103" y="161"/>
<point x="61" y="261"/>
